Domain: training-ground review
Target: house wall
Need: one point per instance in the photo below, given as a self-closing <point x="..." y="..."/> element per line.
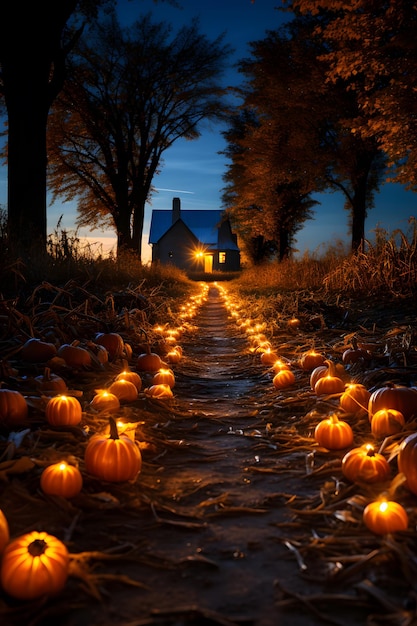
<point x="177" y="247"/>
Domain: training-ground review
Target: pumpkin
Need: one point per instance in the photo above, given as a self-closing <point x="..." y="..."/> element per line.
<point x="105" y="401"/>
<point x="403" y="399"/>
<point x="165" y="377"/>
<point x="113" y="342"/>
<point x="280" y="364"/>
<point x="333" y="433"/>
<point x="50" y="384"/>
<point x="354" y="354"/>
<point x="363" y="464"/>
<point x="174" y="355"/>
<point x="311" y="359"/>
<point x="318" y="372"/>
<point x="162" y="391"/>
<point x="385" y="516"/>
<point x="74" y="355"/>
<point x="132" y="377"/>
<point x="407" y="461"/>
<point x="33" y="565"/>
<point x="283" y="378"/>
<point x="148" y="362"/>
<point x="268" y="357"/>
<point x="4" y="531"/>
<point x="13" y="408"/>
<point x="112" y="457"/>
<point x="355" y="398"/>
<point x="329" y="383"/>
<point x="61" y="479"/>
<point x="100" y="352"/>
<point x="63" y="410"/>
<point x="37" y="351"/>
<point x="386" y="422"/>
<point x="125" y="390"/>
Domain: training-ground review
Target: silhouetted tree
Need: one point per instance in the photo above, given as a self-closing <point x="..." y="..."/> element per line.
<point x="130" y="94"/>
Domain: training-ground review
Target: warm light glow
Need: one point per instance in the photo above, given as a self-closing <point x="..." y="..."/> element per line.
<point x="62" y="466"/>
<point x="383" y="506"/>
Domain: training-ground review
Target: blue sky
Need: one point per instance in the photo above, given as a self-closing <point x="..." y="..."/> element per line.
<point x="193" y="170"/>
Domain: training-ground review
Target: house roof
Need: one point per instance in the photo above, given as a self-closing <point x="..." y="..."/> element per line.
<point x="203" y="224"/>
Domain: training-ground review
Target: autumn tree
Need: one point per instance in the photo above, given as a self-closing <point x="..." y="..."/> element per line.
<point x="373" y="47"/>
<point x="303" y="142"/>
<point x="33" y="49"/>
<point x="130" y="94"/>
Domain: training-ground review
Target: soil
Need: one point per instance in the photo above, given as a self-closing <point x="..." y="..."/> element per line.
<point x="237" y="517"/>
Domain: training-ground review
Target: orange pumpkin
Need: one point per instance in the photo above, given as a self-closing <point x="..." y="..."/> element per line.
<point x="105" y="401"/>
<point x="311" y="359"/>
<point x="34" y="565"/>
<point x="113" y="342"/>
<point x="174" y="355"/>
<point x="149" y="362"/>
<point x="38" y="351"/>
<point x="283" y="378"/>
<point x="74" y="355"/>
<point x="268" y="357"/>
<point x="63" y="410"/>
<point x="50" y="384"/>
<point x="363" y="464"/>
<point x="4" y="531"/>
<point x="165" y="377"/>
<point x="330" y="383"/>
<point x="386" y="422"/>
<point x="355" y="398"/>
<point x="407" y="461"/>
<point x="162" y="391"/>
<point x="403" y="399"/>
<point x="280" y="364"/>
<point x="61" y="479"/>
<point x="385" y="516"/>
<point x="125" y="390"/>
<point x="333" y="433"/>
<point x="13" y="408"/>
<point x="113" y="458"/>
<point x="132" y="377"/>
<point x="318" y="372"/>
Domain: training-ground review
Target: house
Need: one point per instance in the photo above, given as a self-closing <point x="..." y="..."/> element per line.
<point x="193" y="240"/>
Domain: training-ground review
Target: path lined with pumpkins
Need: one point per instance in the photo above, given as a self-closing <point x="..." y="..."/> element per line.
<point x="224" y="471"/>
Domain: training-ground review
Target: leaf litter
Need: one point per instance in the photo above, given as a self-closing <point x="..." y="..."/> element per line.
<point x="237" y="516"/>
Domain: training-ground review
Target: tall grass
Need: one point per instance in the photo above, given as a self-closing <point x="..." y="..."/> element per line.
<point x="387" y="266"/>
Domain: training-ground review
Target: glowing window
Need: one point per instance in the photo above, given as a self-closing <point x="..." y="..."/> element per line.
<point x="222" y="257"/>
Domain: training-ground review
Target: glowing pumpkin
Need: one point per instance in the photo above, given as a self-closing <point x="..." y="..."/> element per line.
<point x="386" y="422"/>
<point x="363" y="464"/>
<point x="125" y="390"/>
<point x="283" y="378"/>
<point x="355" y="398"/>
<point x="384" y="516"/>
<point x="34" y="565"/>
<point x="132" y="377"/>
<point x="165" y="377"/>
<point x="63" y="410"/>
<point x="403" y="399"/>
<point x="61" y="479"/>
<point x="161" y="391"/>
<point x="330" y="383"/>
<point x="112" y="457"/>
<point x="333" y="433"/>
<point x="105" y="401"/>
<point x="149" y="362"/>
<point x="311" y="359"/>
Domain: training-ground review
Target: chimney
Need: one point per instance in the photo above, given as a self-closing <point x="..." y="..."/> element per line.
<point x="176" y="209"/>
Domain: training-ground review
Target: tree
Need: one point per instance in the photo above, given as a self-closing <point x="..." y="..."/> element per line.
<point x="32" y="64"/>
<point x="372" y="46"/>
<point x="130" y="94"/>
<point x="303" y="142"/>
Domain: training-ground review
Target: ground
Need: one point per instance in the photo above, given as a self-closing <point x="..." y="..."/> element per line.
<point x="237" y="517"/>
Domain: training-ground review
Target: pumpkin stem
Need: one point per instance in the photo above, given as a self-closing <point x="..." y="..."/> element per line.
<point x="47" y="373"/>
<point x="331" y="367"/>
<point x="37" y="547"/>
<point x="114" y="433"/>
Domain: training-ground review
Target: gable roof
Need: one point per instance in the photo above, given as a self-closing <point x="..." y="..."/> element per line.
<point x="202" y="223"/>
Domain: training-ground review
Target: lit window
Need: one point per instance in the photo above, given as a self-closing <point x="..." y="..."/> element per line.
<point x="222" y="257"/>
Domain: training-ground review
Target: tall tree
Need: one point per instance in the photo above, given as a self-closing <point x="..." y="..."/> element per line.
<point x="304" y="141"/>
<point x="32" y="72"/>
<point x="373" y="47"/>
<point x="130" y="94"/>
